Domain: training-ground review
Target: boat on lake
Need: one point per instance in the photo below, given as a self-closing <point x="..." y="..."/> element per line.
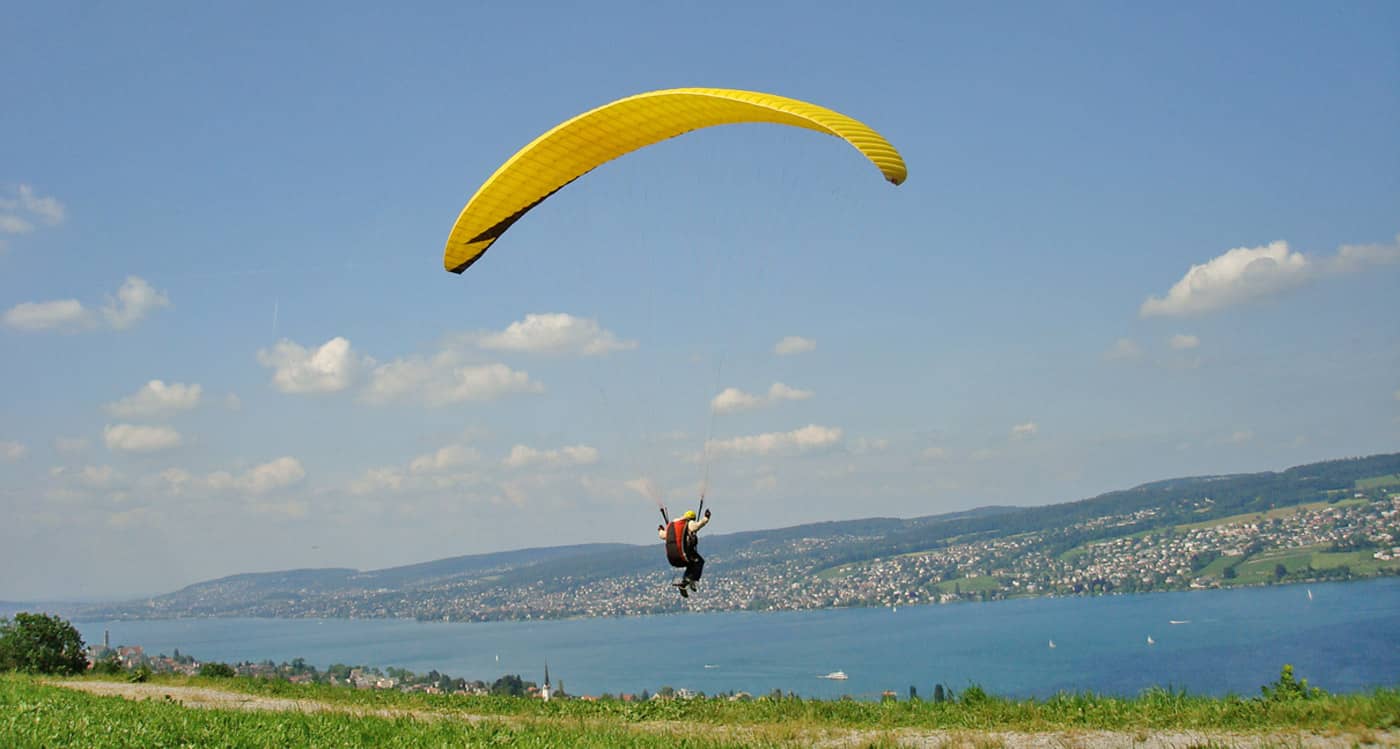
<point x="836" y="675"/>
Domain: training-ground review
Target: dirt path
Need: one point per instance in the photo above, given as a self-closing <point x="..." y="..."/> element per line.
<point x="828" y="738"/>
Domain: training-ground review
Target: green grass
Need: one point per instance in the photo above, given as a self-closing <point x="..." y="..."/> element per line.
<point x="1277" y="512"/>
<point x="1376" y="482"/>
<point x="35" y="714"/>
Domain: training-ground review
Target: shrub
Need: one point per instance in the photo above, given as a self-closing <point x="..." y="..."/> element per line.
<point x="41" y="644"/>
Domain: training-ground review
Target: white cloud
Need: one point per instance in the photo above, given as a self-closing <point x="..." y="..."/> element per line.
<point x="10" y="224"/>
<point x="132" y="303"/>
<point x="98" y="477"/>
<point x="135" y="299"/>
<point x="1182" y="342"/>
<point x="1123" y="348"/>
<point x="646" y="487"/>
<point x="45" y="209"/>
<point x="19" y="210"/>
<point x="443" y="459"/>
<point x="377" y="480"/>
<point x="272" y="475"/>
<point x="522" y="456"/>
<point x="444" y="379"/>
<point x="330" y="367"/>
<point x="1397" y="395"/>
<point x="232" y="402"/>
<point x="156" y="397"/>
<point x="1024" y="431"/>
<point x="734" y="399"/>
<point x="60" y="314"/>
<point x="933" y="453"/>
<point x="556" y="333"/>
<point x="136" y="438"/>
<point x="1241" y="436"/>
<point x="794" y="345"/>
<point x="1245" y="274"/>
<point x="258" y="480"/>
<point x="12" y="451"/>
<point x="810" y="437"/>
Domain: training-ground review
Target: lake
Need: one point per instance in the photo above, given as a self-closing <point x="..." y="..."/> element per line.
<point x="1342" y="638"/>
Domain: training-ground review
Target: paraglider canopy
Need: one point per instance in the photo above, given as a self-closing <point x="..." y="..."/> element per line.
<point x="577" y="146"/>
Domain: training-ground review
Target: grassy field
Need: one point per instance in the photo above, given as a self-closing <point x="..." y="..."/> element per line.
<point x="34" y="713"/>
<point x="1277" y="512"/>
<point x="1376" y="482"/>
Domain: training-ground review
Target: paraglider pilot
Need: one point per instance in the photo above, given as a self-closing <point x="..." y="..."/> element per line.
<point x="681" y="537"/>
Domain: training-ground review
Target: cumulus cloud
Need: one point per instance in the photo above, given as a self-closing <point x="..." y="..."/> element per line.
<point x="522" y="456"/>
<point x="793" y="345"/>
<point x="1183" y="342"/>
<point x="810" y="437"/>
<point x="377" y="480"/>
<point x="556" y="333"/>
<point x="443" y="459"/>
<point x="274" y="474"/>
<point x="444" y="379"/>
<point x="140" y="439"/>
<point x="1241" y="436"/>
<point x="59" y="314"/>
<point x="133" y="302"/>
<point x="1123" y="348"/>
<point x="11" y="450"/>
<point x="265" y="478"/>
<point x="1245" y="274"/>
<point x="734" y="399"/>
<point x="328" y="368"/>
<point x="156" y="397"/>
<point x="1024" y="431"/>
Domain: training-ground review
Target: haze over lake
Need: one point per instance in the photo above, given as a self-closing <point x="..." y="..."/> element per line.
<point x="1341" y="639"/>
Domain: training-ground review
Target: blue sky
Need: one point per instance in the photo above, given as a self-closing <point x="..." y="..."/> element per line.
<point x="1136" y="242"/>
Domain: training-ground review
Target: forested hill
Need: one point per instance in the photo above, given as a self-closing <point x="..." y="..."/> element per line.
<point x="750" y="566"/>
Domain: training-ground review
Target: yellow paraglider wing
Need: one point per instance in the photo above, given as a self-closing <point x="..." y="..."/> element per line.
<point x="575" y="147"/>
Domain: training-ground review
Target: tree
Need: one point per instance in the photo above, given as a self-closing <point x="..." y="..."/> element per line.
<point x="938" y="693"/>
<point x="510" y="684"/>
<point x="1280" y="571"/>
<point x="217" y="670"/>
<point x="41" y="644"/>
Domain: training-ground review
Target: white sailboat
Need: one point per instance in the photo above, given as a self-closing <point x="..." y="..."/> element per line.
<point x="837" y="675"/>
<point x="1052" y="644"/>
<point x="1151" y="641"/>
<point x="1309" y="594"/>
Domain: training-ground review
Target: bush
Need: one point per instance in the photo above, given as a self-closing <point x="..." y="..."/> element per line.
<point x="1288" y="689"/>
<point x="41" y="644"/>
<point x="217" y="670"/>
<point x="108" y="665"/>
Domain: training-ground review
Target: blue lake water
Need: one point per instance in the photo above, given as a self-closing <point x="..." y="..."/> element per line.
<point x="1345" y="638"/>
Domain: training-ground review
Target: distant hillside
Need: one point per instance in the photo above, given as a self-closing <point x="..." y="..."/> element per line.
<point x="228" y="593"/>
<point x="751" y="569"/>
